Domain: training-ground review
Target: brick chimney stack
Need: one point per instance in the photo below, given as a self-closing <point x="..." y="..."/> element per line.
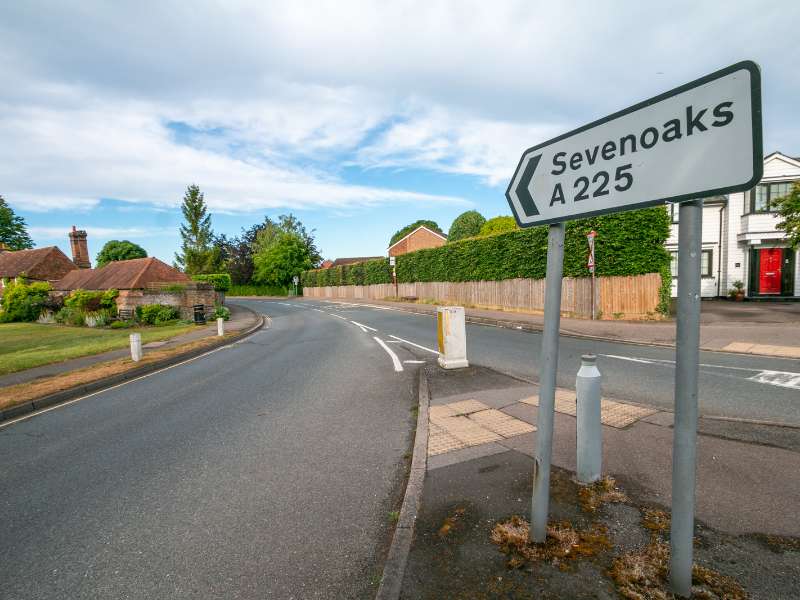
<point x="80" y="248"/>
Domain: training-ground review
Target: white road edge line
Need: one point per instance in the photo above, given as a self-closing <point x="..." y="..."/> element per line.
<point x="436" y="352"/>
<point x="398" y="366"/>
<point x="338" y="316"/>
<point x="414" y="362"/>
<point x="119" y="385"/>
<point x="364" y="327"/>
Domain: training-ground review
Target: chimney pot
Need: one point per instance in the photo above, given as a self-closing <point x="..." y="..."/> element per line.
<point x="80" y="248"/>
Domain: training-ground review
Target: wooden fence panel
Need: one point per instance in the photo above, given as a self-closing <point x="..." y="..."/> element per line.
<point x="634" y="297"/>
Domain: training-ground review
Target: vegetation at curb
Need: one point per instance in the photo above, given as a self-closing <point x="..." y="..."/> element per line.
<point x="628" y="243"/>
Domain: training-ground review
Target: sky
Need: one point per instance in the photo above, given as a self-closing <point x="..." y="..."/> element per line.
<point x="357" y="117"/>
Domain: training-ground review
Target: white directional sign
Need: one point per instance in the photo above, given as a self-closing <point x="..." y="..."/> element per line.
<point x="701" y="139"/>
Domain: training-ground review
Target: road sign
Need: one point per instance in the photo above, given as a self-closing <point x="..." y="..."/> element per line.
<point x="295" y="280"/>
<point x="700" y="139"/>
<point x="392" y="261"/>
<point x="590" y="262"/>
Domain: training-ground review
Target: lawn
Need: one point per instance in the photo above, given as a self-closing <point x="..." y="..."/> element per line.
<point x="26" y="345"/>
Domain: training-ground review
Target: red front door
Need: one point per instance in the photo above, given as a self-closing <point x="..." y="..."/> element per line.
<point x="769" y="279"/>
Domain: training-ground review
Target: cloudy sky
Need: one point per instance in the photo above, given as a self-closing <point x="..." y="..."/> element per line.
<point x="358" y="117"/>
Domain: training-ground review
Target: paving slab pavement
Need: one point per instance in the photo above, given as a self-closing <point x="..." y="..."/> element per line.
<point x="747" y="494"/>
<point x="241" y="318"/>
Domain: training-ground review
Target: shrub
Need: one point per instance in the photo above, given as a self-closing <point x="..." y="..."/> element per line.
<point x="222" y="312"/>
<point x="156" y="314"/>
<point x="220" y="281"/>
<point x="465" y="225"/>
<point x="69" y="315"/>
<point x="498" y="225"/>
<point x="23" y="301"/>
<point x="258" y="290"/>
<point x="122" y="324"/>
<point x="628" y="243"/>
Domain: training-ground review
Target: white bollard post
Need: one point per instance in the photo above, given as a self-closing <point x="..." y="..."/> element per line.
<point x="590" y="436"/>
<point x="136" y="347"/>
<point x="452" y="333"/>
<point x="220" y="326"/>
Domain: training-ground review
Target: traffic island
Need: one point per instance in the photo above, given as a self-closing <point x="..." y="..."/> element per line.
<point x="606" y="540"/>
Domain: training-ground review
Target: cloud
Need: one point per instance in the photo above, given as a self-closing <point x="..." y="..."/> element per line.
<point x="50" y="233"/>
<point x="264" y="104"/>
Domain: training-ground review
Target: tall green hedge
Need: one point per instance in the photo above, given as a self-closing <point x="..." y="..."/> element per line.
<point x="627" y="243"/>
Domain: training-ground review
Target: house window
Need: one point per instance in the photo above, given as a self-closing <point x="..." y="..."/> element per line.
<point x="763" y="195"/>
<point x="706" y="263"/>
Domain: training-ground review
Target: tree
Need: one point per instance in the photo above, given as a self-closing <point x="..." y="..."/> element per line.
<point x="498" y="225"/>
<point x="119" y="250"/>
<point x="400" y="234"/>
<point x="467" y="224"/>
<point x="788" y="209"/>
<point x="13" y="231"/>
<point x="198" y="253"/>
<point x="286" y="257"/>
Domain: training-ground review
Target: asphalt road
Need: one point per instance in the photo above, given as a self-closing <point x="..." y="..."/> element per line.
<point x="730" y="385"/>
<point x="264" y="470"/>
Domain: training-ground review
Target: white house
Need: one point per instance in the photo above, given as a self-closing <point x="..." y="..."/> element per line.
<point x="741" y="242"/>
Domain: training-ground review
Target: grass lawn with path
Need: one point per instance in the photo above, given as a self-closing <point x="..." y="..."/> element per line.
<point x="28" y="345"/>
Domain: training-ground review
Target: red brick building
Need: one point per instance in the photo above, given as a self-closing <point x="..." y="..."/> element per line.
<point x="41" y="264"/>
<point x="419" y="239"/>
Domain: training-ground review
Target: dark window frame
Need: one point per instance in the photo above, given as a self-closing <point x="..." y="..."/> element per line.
<point x="768" y="187"/>
<point x="703" y="253"/>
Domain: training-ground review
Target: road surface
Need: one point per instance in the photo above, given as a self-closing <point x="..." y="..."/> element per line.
<point x="264" y="470"/>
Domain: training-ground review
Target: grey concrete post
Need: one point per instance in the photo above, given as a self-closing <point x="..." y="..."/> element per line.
<point x="590" y="435"/>
<point x="540" y="502"/>
<point x="687" y="358"/>
<point x="220" y="326"/>
<point x="136" y="347"/>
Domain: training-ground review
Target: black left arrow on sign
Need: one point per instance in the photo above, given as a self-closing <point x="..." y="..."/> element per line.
<point x="524" y="195"/>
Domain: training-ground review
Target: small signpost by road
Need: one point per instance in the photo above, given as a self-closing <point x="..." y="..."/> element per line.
<point x="590" y="265"/>
<point x="700" y="139"/>
<point x="295" y="281"/>
<point x="393" y="264"/>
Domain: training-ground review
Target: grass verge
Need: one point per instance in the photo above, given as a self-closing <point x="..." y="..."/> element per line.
<point x="28" y="345"/>
<point x="18" y="394"/>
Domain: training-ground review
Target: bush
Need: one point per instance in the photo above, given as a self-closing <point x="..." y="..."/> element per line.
<point x="122" y="324"/>
<point x="466" y="225"/>
<point x="220" y="281"/>
<point x="498" y="225"/>
<point x="91" y="301"/>
<point x="71" y="316"/>
<point x="628" y="243"/>
<point x="258" y="290"/>
<point x="24" y="302"/>
<point x="156" y="314"/>
<point x="222" y="312"/>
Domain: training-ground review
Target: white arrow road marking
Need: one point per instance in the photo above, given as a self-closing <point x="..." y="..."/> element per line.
<point x="779" y="378"/>
<point x="395" y="361"/>
<point x="436" y="352"/>
<point x="363" y="327"/>
<point x="785" y="379"/>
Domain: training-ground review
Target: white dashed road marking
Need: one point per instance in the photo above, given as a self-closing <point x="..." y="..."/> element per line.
<point x="395" y="360"/>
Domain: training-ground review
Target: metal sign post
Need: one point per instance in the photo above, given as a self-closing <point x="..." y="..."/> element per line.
<point x="540" y="502"/>
<point x="687" y="358"/>
<point x="393" y="263"/>
<point x="590" y="264"/>
<point x="295" y="280"/>
<point x="700" y="139"/>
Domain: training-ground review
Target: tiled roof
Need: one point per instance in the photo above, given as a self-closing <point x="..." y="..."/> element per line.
<point x="42" y="264"/>
<point x="133" y="274"/>
<point x="352" y="260"/>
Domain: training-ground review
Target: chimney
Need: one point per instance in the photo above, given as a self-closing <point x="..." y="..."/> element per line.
<point x="80" y="248"/>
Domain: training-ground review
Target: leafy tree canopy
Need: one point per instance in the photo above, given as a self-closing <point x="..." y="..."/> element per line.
<point x="13" y="231"/>
<point x="498" y="225"/>
<point x="286" y="256"/>
<point x="788" y="209"/>
<point x="467" y="224"/>
<point x="119" y="250"/>
<point x="400" y="234"/>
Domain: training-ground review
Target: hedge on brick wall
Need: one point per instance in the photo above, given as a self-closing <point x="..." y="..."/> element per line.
<point x="627" y="243"/>
<point x="220" y="281"/>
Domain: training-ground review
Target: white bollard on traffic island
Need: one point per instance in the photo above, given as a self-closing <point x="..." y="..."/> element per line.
<point x="220" y="326"/>
<point x="452" y="334"/>
<point x="590" y="436"/>
<point x="136" y="347"/>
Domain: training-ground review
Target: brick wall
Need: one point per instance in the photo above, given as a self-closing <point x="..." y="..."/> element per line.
<point x="185" y="299"/>
<point x="419" y="240"/>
